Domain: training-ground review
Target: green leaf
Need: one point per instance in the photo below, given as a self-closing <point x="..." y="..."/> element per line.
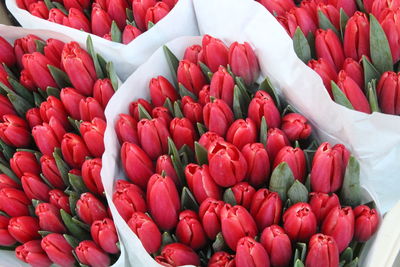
<point x="379" y="46"/>
<point x="267" y="86"/>
<point x="46" y="181"/>
<point x="183" y="91"/>
<point x="102" y="63"/>
<point x="49" y="4"/>
<point x="353" y="263"/>
<point x="370" y="72"/>
<point x="229" y="197"/>
<point x="169" y="106"/>
<point x="219" y="243"/>
<point x="7" y="171"/>
<point x="74" y="123"/>
<point x="35" y="202"/>
<point x="81" y="224"/>
<point x="52" y="91"/>
<point x="73" y="198"/>
<point x="201" y="128"/>
<point x="372" y="97"/>
<point x="61" y="165"/>
<point x="325" y="23"/>
<point x="150" y="25"/>
<point x="21" y="90"/>
<point x="205" y="71"/>
<point x="40" y="46"/>
<point x="201" y="154"/>
<point x="72" y="241"/>
<point x="243" y="88"/>
<point x="350" y="194"/>
<point x="301" y="46"/>
<point x="9" y="71"/>
<point x="92" y="52"/>
<point x="72" y="227"/>
<point x="172" y="61"/>
<point x="177" y="110"/>
<point x="7" y="150"/>
<point x="129" y="14"/>
<point x="340" y="97"/>
<point x="298" y="263"/>
<point x="237" y="99"/>
<point x="77" y="183"/>
<point x="59" y="76"/>
<point x="44" y="233"/>
<point x="281" y="180"/>
<point x="347" y="255"/>
<point x="116" y="35"/>
<point x="343" y="22"/>
<point x="308" y="183"/>
<point x="297" y="193"/>
<point x="60" y="7"/>
<point x="112" y="75"/>
<point x="360" y="5"/>
<point x="37" y="98"/>
<point x="20" y="104"/>
<point x="188" y="201"/>
<point x="143" y="114"/>
<point x="176" y="161"/>
<point x="263" y="131"/>
<point x="167" y="239"/>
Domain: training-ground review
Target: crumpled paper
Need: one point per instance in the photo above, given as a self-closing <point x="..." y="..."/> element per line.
<point x="10" y="33"/>
<point x="181" y="21"/>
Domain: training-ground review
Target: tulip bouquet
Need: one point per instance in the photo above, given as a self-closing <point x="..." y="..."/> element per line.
<point x="52" y="206"/>
<point x="222" y="173"/>
<point x="352" y="45"/>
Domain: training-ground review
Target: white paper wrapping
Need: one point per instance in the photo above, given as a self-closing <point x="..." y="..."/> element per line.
<point x="180" y="21"/>
<point x="10" y="33"/>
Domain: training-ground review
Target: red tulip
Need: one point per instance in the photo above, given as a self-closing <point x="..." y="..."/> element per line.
<point x="71" y="99"/>
<point x="323" y="251"/>
<point x="146" y="230"/>
<point x="155" y="13"/>
<point x="5" y="107"/>
<point x="193" y="54"/>
<point x="163" y="114"/>
<point x="210" y="215"/>
<point x="339" y="223"/>
<point x="14" y="202"/>
<point x="48" y="136"/>
<point x="60" y="200"/>
<point x="251" y="253"/>
<point x="208" y="138"/>
<point x="105" y="235"/>
<point x="295" y="159"/>
<point x="257" y="159"/>
<point x="164" y="163"/>
<point x="26" y="80"/>
<point x="189" y="230"/>
<point x="90" y="209"/>
<point x="328" y="168"/>
<point x="100" y="21"/>
<point x="57" y="16"/>
<point x="221" y="259"/>
<point x="89" y="253"/>
<point x="221" y="85"/>
<point x="277" y="7"/>
<point x="7" y="55"/>
<point x="379" y="7"/>
<point x="128" y="200"/>
<point x="77" y="20"/>
<point x="266" y="208"/>
<point x="153" y="136"/>
<point x="311" y="6"/>
<point x="218" y="117"/>
<point x="177" y="254"/>
<point x="243" y="62"/>
<point x="348" y="6"/>
<point x="204" y="95"/>
<point x="78" y="4"/>
<point x="74" y="150"/>
<point x="329" y="47"/>
<point x="354" y="71"/>
<point x="201" y="183"/>
<point x="242" y="132"/>
<point x="91" y="176"/>
<point x="79" y="67"/>
<point x="53" y="50"/>
<point x="277" y="139"/>
<point x="299" y="222"/>
<point x="160" y="90"/>
<point x="277" y="244"/>
<point x="50" y="218"/>
<point x="190" y="76"/>
<point x="93" y="135"/>
<point x="33" y="118"/>
<point x="356" y="36"/>
<point x="298" y="17"/>
<point x="387" y="93"/>
<point x="89" y="109"/>
<point x="126" y="129"/>
<point x="51" y="172"/>
<point x="296" y="126"/>
<point x="117" y="11"/>
<point x="25" y="45"/>
<point x="58" y="250"/>
<point x="139" y="8"/>
<point x="130" y="33"/>
<point x="263" y="105"/>
<point x="32" y="253"/>
<point x="214" y="53"/>
<point x="23" y="161"/>
<point x="7" y="182"/>
<point x="366" y="223"/>
<point x="331" y="12"/>
<point x="137" y="165"/>
<point x="54" y="108"/>
<point x="36" y="65"/>
<point x="5" y="237"/>
<point x="321" y="204"/>
<point x="182" y="132"/>
<point x="192" y="110"/>
<point x="227" y="164"/>
<point x="244" y="194"/>
<point x="236" y="222"/>
<point x="24" y="228"/>
<point x="163" y="201"/>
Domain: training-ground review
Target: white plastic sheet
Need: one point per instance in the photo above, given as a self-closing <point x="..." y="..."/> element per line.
<point x="10" y="33"/>
<point x="181" y="21"/>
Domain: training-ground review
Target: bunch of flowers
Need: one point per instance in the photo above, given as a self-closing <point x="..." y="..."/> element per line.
<point x="352" y="45"/>
<point x="52" y="205"/>
<point x="221" y="173"/>
<point x="117" y="20"/>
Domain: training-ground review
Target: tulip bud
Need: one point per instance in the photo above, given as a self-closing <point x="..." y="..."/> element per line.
<point x="190" y="76"/>
<point x="126" y="129"/>
<point x="24" y="228"/>
<point x="57" y="16"/>
<point x="34" y="187"/>
<point x="222" y="85"/>
<point x="117" y="11"/>
<point x="218" y="117"/>
<point x="14" y="202"/>
<point x="74" y="150"/>
<point x="321" y="204"/>
<point x="298" y="17"/>
<point x="236" y="222"/>
<point x="354" y="71"/>
<point x="250" y="253"/>
<point x="47" y="138"/>
<point x="192" y="110"/>
<point x="356" y="37"/>
<point x="277" y="7"/>
<point x="263" y="105"/>
<point x="163" y="114"/>
<point x="182" y="132"/>
<point x="77" y="20"/>
<point x="389" y="22"/>
<point x="58" y="250"/>
<point x="139" y="8"/>
<point x="257" y="163"/>
<point x="50" y="218"/>
<point x="79" y="67"/>
<point x="54" y="108"/>
<point x="90" y="254"/>
<point x="7" y="55"/>
<point x="204" y="95"/>
<point x="153" y="136"/>
<point x="100" y="21"/>
<point x="326" y="71"/>
<point x="299" y="222"/>
<point x="60" y="200"/>
<point x="137" y="165"/>
<point x="201" y="183"/>
<point x="331" y="12"/>
<point x="24" y="161"/>
<point x="214" y="53"/>
<point x="339" y="223"/>
<point x="155" y="13"/>
<point x="36" y="65"/>
<point x="163" y="190"/>
<point x="177" y="254"/>
<point x="71" y="99"/>
<point x="89" y="109"/>
<point x="128" y="200"/>
<point x="329" y="47"/>
<point x="146" y="230"/>
<point x="160" y="90"/>
<point x="243" y="193"/>
<point x="296" y="126"/>
<point x="193" y="54"/>
<point x="134" y="108"/>
<point x="366" y="223"/>
<point x="7" y="182"/>
<point x="221" y="259"/>
<point x="33" y="118"/>
<point x="53" y="50"/>
<point x="208" y="138"/>
<point x="5" y="237"/>
<point x="91" y="176"/>
<point x="328" y="168"/>
<point x="105" y="235"/>
<point x="322" y="251"/>
<point x="26" y="81"/>
<point x="78" y="4"/>
<point x="227" y="164"/>
<point x="295" y="159"/>
<point x="242" y="132"/>
<point x="210" y="215"/>
<point x="164" y="163"/>
<point x="349" y="6"/>
<point x="266" y="208"/>
<point x="25" y="45"/>
<point x="93" y="135"/>
<point x="243" y="62"/>
<point x="103" y="91"/>
<point x="90" y="209"/>
<point x="5" y="107"/>
<point x="189" y="230"/>
<point x="32" y="253"/>
<point x="387" y="90"/>
<point x="277" y="244"/>
<point x="130" y="33"/>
